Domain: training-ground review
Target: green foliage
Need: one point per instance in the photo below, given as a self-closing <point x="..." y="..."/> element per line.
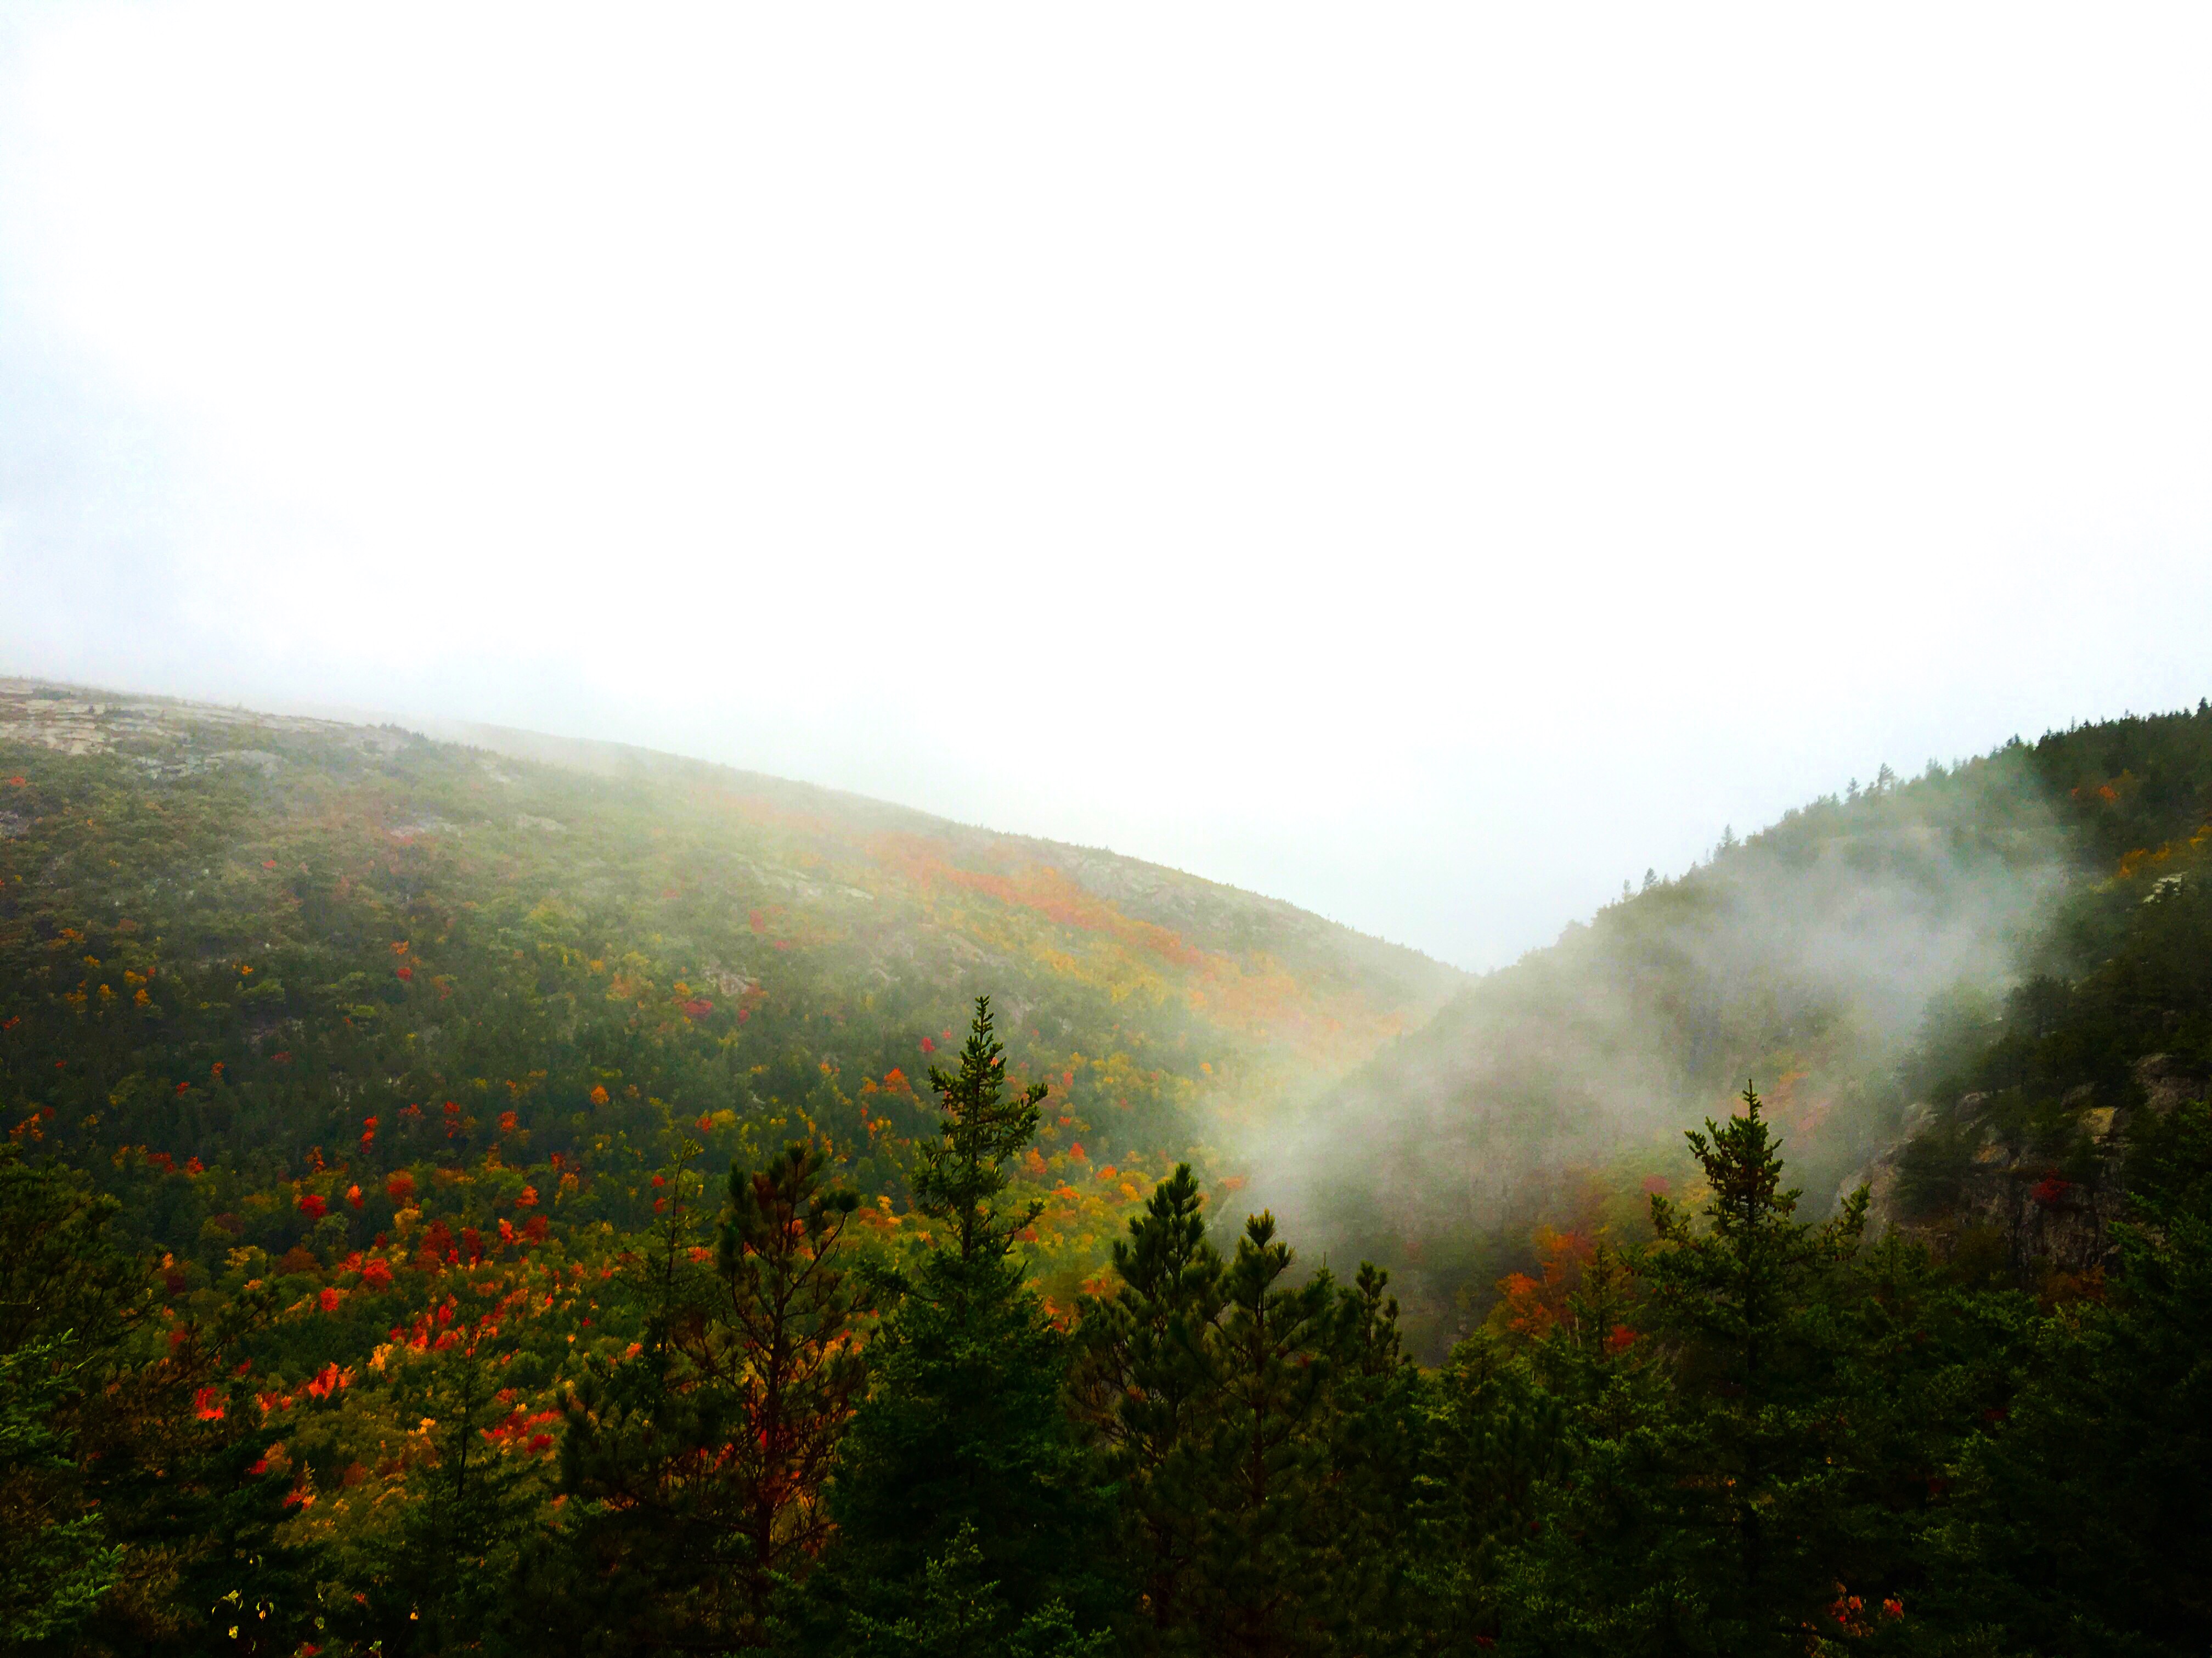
<point x="1264" y="1434"/>
<point x="965" y="1446"/>
<point x="387" y="1294"/>
<point x="961" y="1615"/>
<point x="440" y="1578"/>
<point x="140" y="1512"/>
<point x="1272" y="1353"/>
<point x="693" y="1467"/>
<point x="1149" y="1381"/>
<point x="58" y="1564"/>
<point x="2082" y="1516"/>
<point x="1758" y="1397"/>
<point x="960" y="1175"/>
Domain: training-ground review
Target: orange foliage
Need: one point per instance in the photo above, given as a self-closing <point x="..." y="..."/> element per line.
<point x="1040" y="887"/>
<point x="1533" y="1307"/>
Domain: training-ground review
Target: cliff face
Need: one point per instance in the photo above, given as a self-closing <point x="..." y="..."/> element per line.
<point x="2025" y="1204"/>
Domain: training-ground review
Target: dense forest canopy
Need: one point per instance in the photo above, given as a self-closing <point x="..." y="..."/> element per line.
<point x="453" y="1202"/>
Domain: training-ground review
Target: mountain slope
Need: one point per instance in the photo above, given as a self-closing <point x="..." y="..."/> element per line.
<point x="242" y="938"/>
<point x="1862" y="961"/>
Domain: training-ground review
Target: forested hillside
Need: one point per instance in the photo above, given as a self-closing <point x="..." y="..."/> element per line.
<point x="458" y="1203"/>
<point x="2026" y="931"/>
<point x="286" y="949"/>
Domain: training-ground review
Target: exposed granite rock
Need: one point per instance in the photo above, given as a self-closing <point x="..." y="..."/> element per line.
<point x="2046" y="1219"/>
<point x="2165" y="1083"/>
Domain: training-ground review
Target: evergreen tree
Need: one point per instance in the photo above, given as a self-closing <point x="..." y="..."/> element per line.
<point x="1756" y="1411"/>
<point x="2084" y="1516"/>
<point x="1493" y="1434"/>
<point x="59" y="1564"/>
<point x="1374" y="1420"/>
<point x="64" y="1301"/>
<point x="1272" y="1347"/>
<point x="1924" y="1367"/>
<point x="1150" y="1380"/>
<point x="962" y="1615"/>
<point x="1602" y="1556"/>
<point x="697" y="1464"/>
<point x="966" y="1439"/>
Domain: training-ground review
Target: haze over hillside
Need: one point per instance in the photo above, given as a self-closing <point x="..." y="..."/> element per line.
<point x="1853" y="961"/>
<point x="709" y="913"/>
<point x="408" y="1118"/>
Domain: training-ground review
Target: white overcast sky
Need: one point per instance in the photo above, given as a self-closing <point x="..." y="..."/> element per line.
<point x="1425" y="463"/>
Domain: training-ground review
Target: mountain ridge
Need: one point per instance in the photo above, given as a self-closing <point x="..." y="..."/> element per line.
<point x="60" y="713"/>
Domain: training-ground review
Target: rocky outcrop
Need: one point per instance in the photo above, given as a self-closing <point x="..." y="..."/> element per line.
<point x="2046" y="1212"/>
<point x="2166" y="1083"/>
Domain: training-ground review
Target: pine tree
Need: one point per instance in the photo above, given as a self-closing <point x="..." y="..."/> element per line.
<point x="963" y="1173"/>
<point x="1492" y="1436"/>
<point x="1153" y="1386"/>
<point x="1925" y="1368"/>
<point x="60" y="1563"/>
<point x="1374" y="1419"/>
<point x="1757" y="1408"/>
<point x="967" y="1431"/>
<point x="1272" y="1349"/>
<point x="961" y="1614"/>
<point x="1599" y="1558"/>
<point x="696" y="1465"/>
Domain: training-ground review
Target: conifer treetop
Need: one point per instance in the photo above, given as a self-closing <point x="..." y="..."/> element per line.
<point x="963" y="1172"/>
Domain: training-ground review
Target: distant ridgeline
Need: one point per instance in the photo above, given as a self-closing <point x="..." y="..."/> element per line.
<point x="246" y="958"/>
<point x="1968" y="989"/>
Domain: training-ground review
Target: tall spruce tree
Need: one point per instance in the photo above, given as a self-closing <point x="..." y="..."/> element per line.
<point x="1601" y="1559"/>
<point x="1493" y="1435"/>
<point x="1365" y="1524"/>
<point x="1760" y="1465"/>
<point x="966" y="1457"/>
<point x="1257" y="1571"/>
<point x="1152" y="1385"/>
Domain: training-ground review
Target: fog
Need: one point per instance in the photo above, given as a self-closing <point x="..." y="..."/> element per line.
<point x="1423" y="466"/>
<point x="1805" y="960"/>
